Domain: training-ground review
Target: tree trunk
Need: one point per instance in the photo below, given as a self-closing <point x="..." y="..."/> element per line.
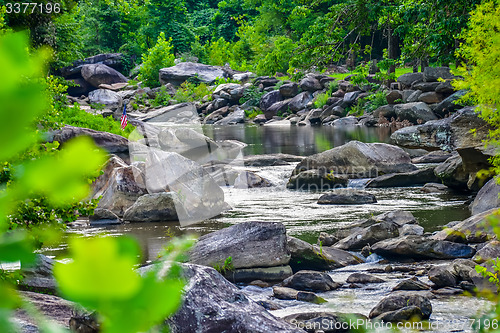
<point x="424" y="62"/>
<point x="390" y="46"/>
<point x="415" y="65"/>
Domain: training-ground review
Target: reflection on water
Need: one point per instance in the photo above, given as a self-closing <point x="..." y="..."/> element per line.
<point x="295" y="140"/>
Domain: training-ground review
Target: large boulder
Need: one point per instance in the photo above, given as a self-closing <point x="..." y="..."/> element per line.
<point x="289" y="89"/>
<point x="38" y="276"/>
<point x="488" y="252"/>
<point x="200" y="197"/>
<point x="347" y="197"/>
<point x="414" y="112"/>
<point x="156" y="207"/>
<point x="113" y="60"/>
<point x="475" y="229"/>
<point x="119" y="186"/>
<point x="408" y="79"/>
<point x="449" y="104"/>
<point x="269" y="99"/>
<point x="249" y="244"/>
<point x="417" y="177"/>
<point x="311" y="281"/>
<point x="97" y="74"/>
<point x="300" y="101"/>
<point x="112" y="143"/>
<point x="182" y="113"/>
<point x="310" y="83"/>
<point x="358" y="160"/>
<point x="399" y="301"/>
<point x="108" y="98"/>
<point x="487" y="197"/>
<point x="208" y="293"/>
<point x="189" y="70"/>
<point x="305" y="256"/>
<point x="433" y="74"/>
<point x="420" y="247"/>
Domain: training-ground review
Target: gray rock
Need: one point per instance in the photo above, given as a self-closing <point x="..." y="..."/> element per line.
<point x="408" y="79"/>
<point x="417" y="177"/>
<point x="356" y="159"/>
<point x="401" y="300"/>
<point x="113" y="60"/>
<point x="414" y="112"/>
<point x="307" y="296"/>
<point x="316" y="180"/>
<point x="437" y="156"/>
<point x="156" y="207"/>
<point x="249" y="244"/>
<point x="345" y="122"/>
<point x="442" y="276"/>
<point x="363" y="278"/>
<point x="311" y="281"/>
<point x="475" y="229"/>
<point x="449" y="104"/>
<point x="326" y="239"/>
<point x="420" y="247"/>
<point x="269" y="99"/>
<point x="108" y="98"/>
<point x="350" y="97"/>
<point x="38" y="277"/>
<point x="178" y="113"/>
<point x="368" y="236"/>
<point x="309" y="83"/>
<point x="235" y="117"/>
<point x="289" y="89"/>
<point x="445" y="87"/>
<point x="406" y="94"/>
<point x="430" y="97"/>
<point x="394" y="96"/>
<point x="97" y="74"/>
<point x="208" y="292"/>
<point x="386" y="111"/>
<point x="284" y="293"/>
<point x="270" y="159"/>
<point x="433" y="74"/>
<point x="411" y="284"/>
<point x="347" y="197"/>
<point x="426" y="86"/>
<point x="487" y="197"/>
<point x="272" y="274"/>
<point x="327" y="322"/>
<point x="186" y="70"/>
<point x="411" y="229"/>
<point x="248" y="179"/>
<point x="399" y="217"/>
<point x="490" y="251"/>
<point x="404" y="314"/>
<point x="414" y="96"/>
<point x="300" y="101"/>
<point x="103" y="216"/>
<point x="434" y="188"/>
<point x="305" y="256"/>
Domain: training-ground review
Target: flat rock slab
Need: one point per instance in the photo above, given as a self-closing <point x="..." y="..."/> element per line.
<point x="347" y="197"/>
<point x="413" y="178"/>
<point x="249" y="244"/>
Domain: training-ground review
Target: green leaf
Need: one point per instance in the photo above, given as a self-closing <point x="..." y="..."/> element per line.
<point x="14" y="246"/>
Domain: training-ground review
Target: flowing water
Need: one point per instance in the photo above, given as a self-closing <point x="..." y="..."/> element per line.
<point x="305" y="219"/>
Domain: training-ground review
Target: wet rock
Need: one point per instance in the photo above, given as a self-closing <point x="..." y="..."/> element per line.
<point x="307" y="296"/>
<point x="272" y="274"/>
<point x="433" y="74"/>
<point x="249" y="244"/>
<point x="368" y="236"/>
<point x="327" y="322"/>
<point x="316" y="180"/>
<point x="284" y="293"/>
<point x="475" y="229"/>
<point x="356" y="159"/>
<point x="437" y="156"/>
<point x="97" y="74"/>
<point x="112" y="143"/>
<point x="408" y="79"/>
<point x="417" y="177"/>
<point x="400" y="300"/>
<point x="434" y="188"/>
<point x="156" y="207"/>
<point x="103" y="216"/>
<point x="411" y="284"/>
<point x="403" y="314"/>
<point x="448" y="291"/>
<point x="305" y="256"/>
<point x="488" y="252"/>
<point x="363" y="278"/>
<point x="487" y="197"/>
<point x="207" y="293"/>
<point x="414" y="112"/>
<point x="248" y="179"/>
<point x="347" y="197"/>
<point x="311" y="281"/>
<point x="442" y="276"/>
<point x="188" y="70"/>
<point x="422" y="248"/>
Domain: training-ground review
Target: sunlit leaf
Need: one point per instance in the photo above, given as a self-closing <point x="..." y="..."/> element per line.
<point x="14" y="246"/>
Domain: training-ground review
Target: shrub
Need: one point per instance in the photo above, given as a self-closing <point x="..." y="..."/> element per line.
<point x="157" y="57"/>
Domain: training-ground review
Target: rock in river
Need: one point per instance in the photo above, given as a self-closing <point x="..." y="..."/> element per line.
<point x="347" y="197"/>
<point x="311" y="281"/>
<point x="417" y="177"/>
<point x="249" y="244"/>
<point x="156" y="207"/>
<point x="358" y="160"/>
<point x="420" y="247"/>
<point x="213" y="304"/>
<point x="400" y="300"/>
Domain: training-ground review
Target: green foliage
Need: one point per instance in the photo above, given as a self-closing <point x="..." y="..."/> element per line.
<point x="321" y="99"/>
<point x="162" y="98"/>
<point x="190" y="92"/>
<point x="252" y="113"/>
<point x="482" y="77"/>
<point x="376" y="100"/>
<point x="157" y="57"/>
<point x="226" y="267"/>
<point x="278" y="58"/>
<point x="252" y="95"/>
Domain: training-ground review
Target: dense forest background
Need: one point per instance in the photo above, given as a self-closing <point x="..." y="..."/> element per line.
<point x="264" y="36"/>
